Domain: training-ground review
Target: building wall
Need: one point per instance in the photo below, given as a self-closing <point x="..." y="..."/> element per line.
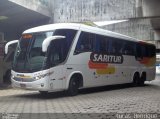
<point x="103" y="10"/>
<point x="137" y="28"/>
<point x="92" y="10"/>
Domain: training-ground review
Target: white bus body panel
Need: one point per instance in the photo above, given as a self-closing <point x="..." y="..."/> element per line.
<point x="51" y="80"/>
<point x="123" y="73"/>
<point x="21" y="80"/>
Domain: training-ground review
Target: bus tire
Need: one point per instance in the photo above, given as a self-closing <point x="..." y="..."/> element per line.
<point x="142" y="79"/>
<point x="43" y="93"/>
<point x="136" y="79"/>
<point x="73" y="87"/>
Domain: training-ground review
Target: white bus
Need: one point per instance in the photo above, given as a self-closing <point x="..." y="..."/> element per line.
<point x="69" y="56"/>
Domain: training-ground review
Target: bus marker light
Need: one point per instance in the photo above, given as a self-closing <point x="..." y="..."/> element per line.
<point x="27" y="36"/>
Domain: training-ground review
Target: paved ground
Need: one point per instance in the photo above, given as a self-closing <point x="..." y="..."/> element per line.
<point x="93" y="103"/>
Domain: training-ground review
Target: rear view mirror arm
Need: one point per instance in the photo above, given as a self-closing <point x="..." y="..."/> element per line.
<point x="8" y="44"/>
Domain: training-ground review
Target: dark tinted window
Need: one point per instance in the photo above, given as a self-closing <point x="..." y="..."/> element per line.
<point x="69" y="34"/>
<point x="119" y="46"/>
<point x="138" y="50"/>
<point x="151" y="51"/>
<point x="145" y="50"/>
<point x="58" y="49"/>
<point x="148" y="50"/>
<point x="116" y="46"/>
<point x="85" y="43"/>
<point x="101" y="44"/>
<point x="89" y="42"/>
<point x="57" y="52"/>
<point x="128" y="48"/>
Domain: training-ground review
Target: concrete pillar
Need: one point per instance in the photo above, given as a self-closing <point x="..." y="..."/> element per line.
<point x="139" y="11"/>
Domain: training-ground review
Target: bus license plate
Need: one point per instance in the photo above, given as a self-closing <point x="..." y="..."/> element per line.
<point x="23" y="85"/>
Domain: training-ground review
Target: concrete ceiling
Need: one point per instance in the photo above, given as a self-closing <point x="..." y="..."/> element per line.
<point x="19" y="17"/>
<point x="151" y="10"/>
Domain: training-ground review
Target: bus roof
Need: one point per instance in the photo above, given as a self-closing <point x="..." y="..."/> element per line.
<point x="78" y="26"/>
<point x="51" y="27"/>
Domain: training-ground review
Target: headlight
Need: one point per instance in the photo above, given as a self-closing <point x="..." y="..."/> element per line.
<point x="12" y="76"/>
<point x="37" y="77"/>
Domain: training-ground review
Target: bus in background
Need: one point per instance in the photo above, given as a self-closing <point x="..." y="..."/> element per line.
<point x="70" y="56"/>
<point x="7" y="64"/>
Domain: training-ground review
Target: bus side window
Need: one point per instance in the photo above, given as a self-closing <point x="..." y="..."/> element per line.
<point x="152" y="51"/>
<point x="148" y="50"/>
<point x="122" y="47"/>
<point x="115" y="45"/>
<point x="119" y="46"/>
<point x="54" y="53"/>
<point x="138" y="53"/>
<point x="85" y="43"/>
<point x="129" y="48"/>
<point x="57" y="52"/>
<point x="111" y="46"/>
<point x="144" y="51"/>
<point x="101" y="44"/>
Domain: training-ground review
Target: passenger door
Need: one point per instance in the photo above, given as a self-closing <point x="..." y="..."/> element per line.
<point x="55" y="62"/>
<point x="56" y="78"/>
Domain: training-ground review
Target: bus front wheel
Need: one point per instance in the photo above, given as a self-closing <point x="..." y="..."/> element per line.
<point x="73" y="87"/>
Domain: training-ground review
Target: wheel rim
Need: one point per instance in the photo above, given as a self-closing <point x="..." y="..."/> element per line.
<point x="74" y="85"/>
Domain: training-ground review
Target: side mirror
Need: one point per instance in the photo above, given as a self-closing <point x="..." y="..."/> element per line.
<point x="48" y="40"/>
<point x="10" y="43"/>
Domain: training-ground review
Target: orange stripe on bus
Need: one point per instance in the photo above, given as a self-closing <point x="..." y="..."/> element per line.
<point x="93" y="65"/>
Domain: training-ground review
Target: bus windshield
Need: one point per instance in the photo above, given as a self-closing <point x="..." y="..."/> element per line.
<point x="29" y="56"/>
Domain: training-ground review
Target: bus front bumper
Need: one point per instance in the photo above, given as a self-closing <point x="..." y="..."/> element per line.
<point x="40" y="85"/>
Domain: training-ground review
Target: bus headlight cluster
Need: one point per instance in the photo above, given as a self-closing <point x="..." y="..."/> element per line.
<point x="12" y="76"/>
<point x="37" y="77"/>
<point x="43" y="75"/>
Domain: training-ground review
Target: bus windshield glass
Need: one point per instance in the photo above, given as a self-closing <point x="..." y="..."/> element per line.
<point x="29" y="56"/>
